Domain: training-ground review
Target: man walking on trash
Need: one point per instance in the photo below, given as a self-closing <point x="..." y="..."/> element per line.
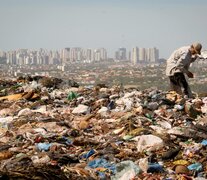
<point x="178" y="65"/>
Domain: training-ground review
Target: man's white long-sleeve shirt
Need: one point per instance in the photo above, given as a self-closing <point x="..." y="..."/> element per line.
<point x="179" y="61"/>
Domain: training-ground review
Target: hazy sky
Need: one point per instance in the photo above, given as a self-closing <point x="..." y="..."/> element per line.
<point x="55" y="24"/>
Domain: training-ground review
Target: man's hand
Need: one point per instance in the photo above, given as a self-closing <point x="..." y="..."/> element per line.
<point x="190" y="74"/>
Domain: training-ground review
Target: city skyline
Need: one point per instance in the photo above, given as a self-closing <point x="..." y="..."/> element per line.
<point x="78" y="54"/>
<point x="51" y="24"/>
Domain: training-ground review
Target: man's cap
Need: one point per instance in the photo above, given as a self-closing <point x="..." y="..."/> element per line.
<point x="197" y="47"/>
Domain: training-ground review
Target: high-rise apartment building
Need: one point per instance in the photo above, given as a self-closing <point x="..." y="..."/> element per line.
<point x="75" y="54"/>
<point x="89" y="55"/>
<point x="121" y="54"/>
<point x="65" y="55"/>
<point x="100" y="54"/>
<point x="2" y="54"/>
<point x="144" y="55"/>
<point x="11" y="57"/>
<point x="154" y="55"/>
<point x="135" y="55"/>
<point x="97" y="55"/>
<point x="54" y="57"/>
<point x="103" y="53"/>
<point x="129" y="55"/>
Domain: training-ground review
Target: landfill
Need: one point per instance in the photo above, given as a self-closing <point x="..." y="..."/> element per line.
<point x="52" y="129"/>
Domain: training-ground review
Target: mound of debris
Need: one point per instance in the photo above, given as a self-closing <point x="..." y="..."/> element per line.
<point x="53" y="131"/>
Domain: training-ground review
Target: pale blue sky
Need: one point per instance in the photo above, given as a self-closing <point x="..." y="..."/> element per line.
<point x="55" y="24"/>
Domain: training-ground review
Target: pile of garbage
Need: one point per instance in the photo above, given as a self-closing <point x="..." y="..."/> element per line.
<point x="51" y="129"/>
